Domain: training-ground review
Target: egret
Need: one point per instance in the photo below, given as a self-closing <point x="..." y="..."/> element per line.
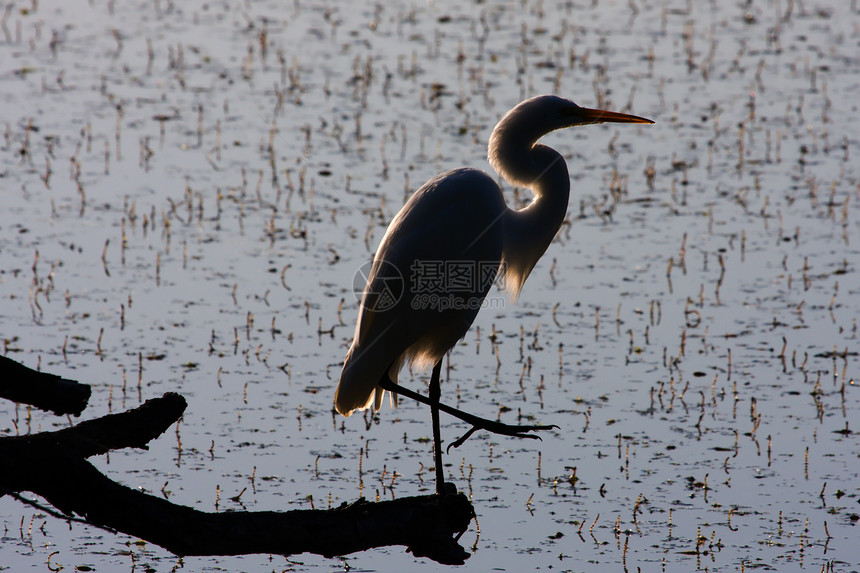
<point x="442" y="252"/>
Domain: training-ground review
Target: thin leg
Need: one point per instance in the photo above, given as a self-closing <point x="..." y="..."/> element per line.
<point x="435" y="393"/>
<point x="519" y="431"/>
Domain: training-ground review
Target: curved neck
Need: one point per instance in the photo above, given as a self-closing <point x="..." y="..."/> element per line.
<point x="550" y="183"/>
<point x="529" y="231"/>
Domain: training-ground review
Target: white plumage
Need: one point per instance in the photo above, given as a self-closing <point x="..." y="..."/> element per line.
<point x="461" y="216"/>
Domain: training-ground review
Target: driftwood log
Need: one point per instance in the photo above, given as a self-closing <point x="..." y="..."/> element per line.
<point x="53" y="465"/>
<point x="45" y="391"/>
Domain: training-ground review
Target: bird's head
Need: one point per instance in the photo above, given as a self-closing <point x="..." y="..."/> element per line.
<point x="554" y="112"/>
<point x="516" y="133"/>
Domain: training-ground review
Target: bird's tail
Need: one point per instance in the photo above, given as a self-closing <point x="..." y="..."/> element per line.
<point x="359" y="387"/>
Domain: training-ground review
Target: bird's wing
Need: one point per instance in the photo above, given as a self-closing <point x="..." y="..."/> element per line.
<point x="454" y="218"/>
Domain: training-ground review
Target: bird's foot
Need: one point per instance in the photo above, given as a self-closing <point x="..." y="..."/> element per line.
<point x="521" y="431"/>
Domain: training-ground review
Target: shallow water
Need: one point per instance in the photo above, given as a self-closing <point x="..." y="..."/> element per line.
<point x="692" y="331"/>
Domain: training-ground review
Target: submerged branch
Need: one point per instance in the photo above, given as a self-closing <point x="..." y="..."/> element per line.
<point x="45" y="391"/>
<point x="53" y="465"/>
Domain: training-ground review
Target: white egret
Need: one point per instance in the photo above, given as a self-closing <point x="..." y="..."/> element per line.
<point x="440" y="255"/>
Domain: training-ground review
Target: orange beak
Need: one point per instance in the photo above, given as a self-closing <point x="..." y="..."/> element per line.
<point x="587" y="115"/>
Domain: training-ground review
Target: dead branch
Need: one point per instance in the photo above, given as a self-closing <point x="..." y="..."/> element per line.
<point x="53" y="465"/>
<point x="45" y="391"/>
<point x="130" y="429"/>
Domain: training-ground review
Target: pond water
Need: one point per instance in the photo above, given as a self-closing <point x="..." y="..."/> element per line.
<point x="188" y="190"/>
